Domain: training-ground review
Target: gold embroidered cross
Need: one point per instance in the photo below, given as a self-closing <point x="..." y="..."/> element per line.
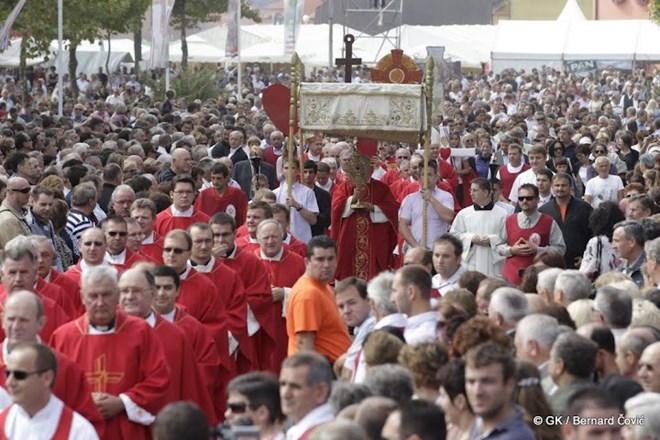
<point x="100" y="377"/>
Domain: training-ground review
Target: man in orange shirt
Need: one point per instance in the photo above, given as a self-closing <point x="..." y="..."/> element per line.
<point x="312" y="319"/>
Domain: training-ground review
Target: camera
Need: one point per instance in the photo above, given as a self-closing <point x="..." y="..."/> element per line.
<point x="243" y="430"/>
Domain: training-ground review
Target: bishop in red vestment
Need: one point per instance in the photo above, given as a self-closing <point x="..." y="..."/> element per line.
<point x="123" y="360"/>
<point x="365" y="237"/>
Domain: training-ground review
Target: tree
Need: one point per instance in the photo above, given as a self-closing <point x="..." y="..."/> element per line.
<point x="188" y="14"/>
<point x="654" y="10"/>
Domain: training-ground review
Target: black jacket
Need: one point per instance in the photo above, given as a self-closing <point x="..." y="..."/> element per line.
<point x="575" y="227"/>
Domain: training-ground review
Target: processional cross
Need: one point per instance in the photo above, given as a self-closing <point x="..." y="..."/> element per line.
<point x="349" y="61"/>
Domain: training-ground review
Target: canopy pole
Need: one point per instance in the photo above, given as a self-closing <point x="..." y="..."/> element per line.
<point x="293" y="117"/>
<point x="427" y="145"/>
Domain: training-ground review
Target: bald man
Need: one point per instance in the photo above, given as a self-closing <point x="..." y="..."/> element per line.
<point x="12" y="218"/>
<point x="649" y="372"/>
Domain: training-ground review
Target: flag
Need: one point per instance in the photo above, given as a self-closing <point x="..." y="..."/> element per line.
<point x="293" y="12"/>
<point x="9" y="22"/>
<point x="161" y="11"/>
<point x="439" y="75"/>
<point x="233" y="26"/>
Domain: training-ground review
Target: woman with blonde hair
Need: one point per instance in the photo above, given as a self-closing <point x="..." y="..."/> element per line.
<point x="529" y="395"/>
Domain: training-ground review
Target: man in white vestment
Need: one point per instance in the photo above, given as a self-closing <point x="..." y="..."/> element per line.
<point x="36" y="412"/>
<point x="480" y="228"/>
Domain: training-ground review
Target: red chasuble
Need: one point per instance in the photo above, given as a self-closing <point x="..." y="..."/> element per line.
<point x="200" y="298"/>
<point x="229" y="287"/>
<point x="154" y="250"/>
<point x="128" y="361"/>
<point x="71" y="388"/>
<point x="364" y="248"/>
<point x="71" y="291"/>
<point x="185" y="379"/>
<point x="296" y="246"/>
<point x="245" y="243"/>
<point x="56" y="293"/>
<point x="254" y="275"/>
<point x="166" y="222"/>
<point x="206" y="355"/>
<point x="539" y="235"/>
<point x="54" y="314"/>
<point x="241" y="231"/>
<point x="74" y="275"/>
<point x="282" y="273"/>
<point x="233" y="202"/>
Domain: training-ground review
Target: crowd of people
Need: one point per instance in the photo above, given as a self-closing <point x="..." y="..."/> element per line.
<point x="165" y="268"/>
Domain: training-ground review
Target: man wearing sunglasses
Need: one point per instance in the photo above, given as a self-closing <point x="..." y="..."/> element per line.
<point x="117" y="254"/>
<point x="22" y="320"/>
<point x="528" y="233"/>
<point x="31" y="373"/>
<point x="12" y="211"/>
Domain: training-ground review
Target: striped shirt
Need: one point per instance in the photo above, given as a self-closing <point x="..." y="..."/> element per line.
<point x="76" y="223"/>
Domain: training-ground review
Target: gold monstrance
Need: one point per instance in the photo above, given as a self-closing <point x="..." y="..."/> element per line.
<point x="358" y="171"/>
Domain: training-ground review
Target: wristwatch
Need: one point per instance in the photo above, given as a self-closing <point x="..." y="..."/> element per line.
<point x="299" y="208"/>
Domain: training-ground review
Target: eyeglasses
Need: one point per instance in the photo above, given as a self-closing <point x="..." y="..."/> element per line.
<point x="22" y="375"/>
<point x="95" y="243"/>
<point x="237" y="407"/>
<point x="177" y="251"/>
<point x="116" y="233"/>
<point x="526" y="198"/>
<point x="599" y="151"/>
<point x="22" y="190"/>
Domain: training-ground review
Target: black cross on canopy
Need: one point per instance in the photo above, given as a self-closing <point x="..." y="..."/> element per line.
<point x="349" y="61"/>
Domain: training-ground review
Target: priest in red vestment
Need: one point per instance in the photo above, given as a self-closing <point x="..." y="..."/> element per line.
<point x="182" y="213"/>
<point x="365" y="233"/>
<point x="123" y="360"/>
<point x="118" y="255"/>
<point x="136" y="294"/>
<point x="222" y="197"/>
<point x="144" y="211"/>
<point x="229" y="287"/>
<point x="92" y="254"/>
<point x="260" y="323"/>
<point x="256" y="213"/>
<point x="22" y="322"/>
<point x="198" y="295"/>
<point x="206" y="352"/>
<point x="19" y="272"/>
<point x="284" y="269"/>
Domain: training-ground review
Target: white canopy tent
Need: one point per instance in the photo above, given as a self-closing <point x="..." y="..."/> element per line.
<point x="528" y="44"/>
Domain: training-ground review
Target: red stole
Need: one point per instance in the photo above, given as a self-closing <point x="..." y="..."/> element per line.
<point x="364" y="248"/>
<point x="63" y="426"/>
<point x="541" y="232"/>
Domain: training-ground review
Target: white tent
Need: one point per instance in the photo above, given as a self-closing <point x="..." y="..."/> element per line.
<point x="528" y="44"/>
<point x="571" y="12"/>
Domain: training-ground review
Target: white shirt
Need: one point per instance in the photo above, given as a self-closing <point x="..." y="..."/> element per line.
<point x="360" y="332"/>
<point x="528" y="176"/>
<point x="421" y="328"/>
<point x="603" y="190"/>
<point x="300" y="228"/>
<point x="319" y="415"/>
<point x="19" y="425"/>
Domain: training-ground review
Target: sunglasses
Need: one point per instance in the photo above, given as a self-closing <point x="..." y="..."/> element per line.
<point x="22" y="375"/>
<point x="22" y="190"/>
<point x="177" y="251"/>
<point x="117" y="233"/>
<point x="95" y="243"/>
<point x="237" y="407"/>
<point x="599" y="151"/>
<point x="526" y="198"/>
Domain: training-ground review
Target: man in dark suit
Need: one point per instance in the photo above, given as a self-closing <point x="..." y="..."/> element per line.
<point x="323" y="198"/>
<point x="245" y="170"/>
<point x="572" y="216"/>
<point x="221" y="146"/>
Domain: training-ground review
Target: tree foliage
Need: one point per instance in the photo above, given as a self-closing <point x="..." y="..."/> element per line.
<point x="654" y="11"/>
